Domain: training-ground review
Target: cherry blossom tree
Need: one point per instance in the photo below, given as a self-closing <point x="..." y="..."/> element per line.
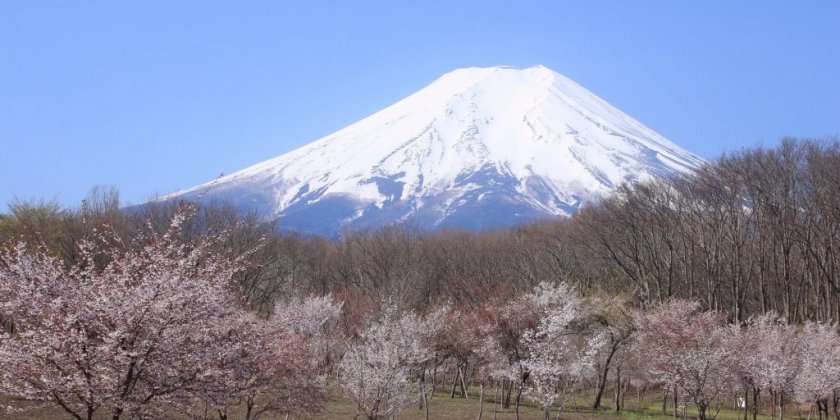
<point x="559" y="354"/>
<point x="435" y="331"/>
<point x="315" y="318"/>
<point x="495" y="365"/>
<point x="453" y="338"/>
<point x="686" y="349"/>
<point x="376" y="371"/>
<point x="767" y="357"/>
<point x="503" y="348"/>
<point x="819" y="376"/>
<point x="126" y="328"/>
<point x="264" y="367"/>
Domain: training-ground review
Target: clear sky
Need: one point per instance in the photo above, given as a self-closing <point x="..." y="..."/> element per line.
<point x="151" y="97"/>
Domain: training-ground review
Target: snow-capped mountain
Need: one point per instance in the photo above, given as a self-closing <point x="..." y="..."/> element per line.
<point x="477" y="148"/>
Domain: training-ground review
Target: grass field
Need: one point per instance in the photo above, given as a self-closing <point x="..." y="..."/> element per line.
<point x="445" y="408"/>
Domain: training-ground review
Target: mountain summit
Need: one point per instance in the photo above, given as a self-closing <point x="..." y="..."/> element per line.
<point x="478" y="148"/>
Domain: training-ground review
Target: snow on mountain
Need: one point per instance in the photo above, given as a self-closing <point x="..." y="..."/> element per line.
<point x="477" y="148"/>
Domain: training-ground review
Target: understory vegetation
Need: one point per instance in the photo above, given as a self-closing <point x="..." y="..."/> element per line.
<point x="713" y="294"/>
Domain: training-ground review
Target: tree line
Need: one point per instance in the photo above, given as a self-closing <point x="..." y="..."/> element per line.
<point x="754" y="231"/>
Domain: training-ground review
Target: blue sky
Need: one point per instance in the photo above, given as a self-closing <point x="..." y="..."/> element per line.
<point x="151" y="97"/>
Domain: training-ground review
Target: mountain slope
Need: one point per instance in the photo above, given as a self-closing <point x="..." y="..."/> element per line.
<point x="477" y="148"/>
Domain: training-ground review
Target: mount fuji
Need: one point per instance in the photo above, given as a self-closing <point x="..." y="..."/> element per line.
<point x="478" y="148"/>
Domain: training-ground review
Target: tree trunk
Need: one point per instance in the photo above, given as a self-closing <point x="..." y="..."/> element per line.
<point x="422" y="388"/>
<point x="620" y="390"/>
<point x="496" y="400"/>
<point x="465" y="378"/>
<point x="782" y="405"/>
<point x="617" y="391"/>
<point x="746" y="403"/>
<point x="249" y="407"/>
<point x="506" y="397"/>
<point x="115" y="415"/>
<point x="481" y="400"/>
<point x="518" y="398"/>
<point x="65" y="407"/>
<point x="425" y="405"/>
<point x="454" y="384"/>
<point x="462" y="373"/>
<point x="701" y="410"/>
<point x="624" y="391"/>
<point x="617" y="398"/>
<point x="823" y="404"/>
<point x="676" y="403"/>
<point x="434" y="380"/>
<point x="602" y="378"/>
